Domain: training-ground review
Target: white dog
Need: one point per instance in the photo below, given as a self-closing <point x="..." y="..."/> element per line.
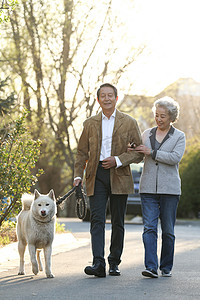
<point x="36" y="227"/>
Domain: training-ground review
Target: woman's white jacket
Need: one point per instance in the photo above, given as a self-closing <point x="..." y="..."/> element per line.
<point x="160" y="173"/>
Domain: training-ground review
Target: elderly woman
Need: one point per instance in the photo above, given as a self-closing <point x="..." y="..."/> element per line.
<point x="160" y="186"/>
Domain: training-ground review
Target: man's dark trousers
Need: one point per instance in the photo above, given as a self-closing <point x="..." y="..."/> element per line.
<point x="98" y="203"/>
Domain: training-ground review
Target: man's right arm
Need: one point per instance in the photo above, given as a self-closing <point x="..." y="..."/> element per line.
<point x="81" y="156"/>
<point x="129" y="157"/>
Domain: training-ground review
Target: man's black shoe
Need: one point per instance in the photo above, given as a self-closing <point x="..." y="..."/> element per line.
<point x="114" y="270"/>
<point x="96" y="270"/>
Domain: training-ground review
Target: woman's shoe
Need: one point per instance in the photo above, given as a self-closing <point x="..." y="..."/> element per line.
<point x="150" y="273"/>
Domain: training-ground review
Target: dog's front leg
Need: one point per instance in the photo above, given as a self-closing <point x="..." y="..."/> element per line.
<point x="47" y="257"/>
<point x="32" y="252"/>
<point x="21" y="250"/>
<point x="39" y="259"/>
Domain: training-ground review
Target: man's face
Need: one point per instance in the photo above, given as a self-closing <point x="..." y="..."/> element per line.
<point x="107" y="99"/>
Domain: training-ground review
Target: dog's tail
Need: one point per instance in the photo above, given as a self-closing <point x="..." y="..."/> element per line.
<point x="27" y="200"/>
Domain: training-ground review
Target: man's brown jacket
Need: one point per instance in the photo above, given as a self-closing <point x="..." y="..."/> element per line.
<point x="88" y="152"/>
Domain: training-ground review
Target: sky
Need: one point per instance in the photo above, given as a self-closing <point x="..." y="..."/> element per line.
<point x="171" y="30"/>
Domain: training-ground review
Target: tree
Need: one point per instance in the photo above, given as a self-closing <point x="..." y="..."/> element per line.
<point x="60" y="52"/>
<point x="6" y="6"/>
<point x="6" y="103"/>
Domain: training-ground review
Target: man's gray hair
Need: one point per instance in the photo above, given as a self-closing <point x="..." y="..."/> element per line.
<point x="170" y="105"/>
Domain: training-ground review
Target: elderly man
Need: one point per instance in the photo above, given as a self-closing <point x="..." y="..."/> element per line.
<point x="102" y="149"/>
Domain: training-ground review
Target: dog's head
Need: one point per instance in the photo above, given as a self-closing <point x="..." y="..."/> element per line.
<point x="44" y="206"/>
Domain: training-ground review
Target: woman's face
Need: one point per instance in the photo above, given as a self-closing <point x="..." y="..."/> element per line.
<point x="162" y="118"/>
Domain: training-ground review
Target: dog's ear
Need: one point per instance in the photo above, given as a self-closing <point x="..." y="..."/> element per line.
<point x="51" y="195"/>
<point x="36" y="194"/>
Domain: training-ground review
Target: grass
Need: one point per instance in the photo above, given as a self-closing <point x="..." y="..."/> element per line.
<point x="8" y="232"/>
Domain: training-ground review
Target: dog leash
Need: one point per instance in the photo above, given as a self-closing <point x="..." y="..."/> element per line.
<point x="81" y="204"/>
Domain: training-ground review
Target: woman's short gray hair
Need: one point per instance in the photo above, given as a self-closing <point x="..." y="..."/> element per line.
<point x="170" y="105"/>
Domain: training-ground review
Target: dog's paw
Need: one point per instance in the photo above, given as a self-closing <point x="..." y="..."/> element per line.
<point x="35" y="269"/>
<point x="21" y="273"/>
<point x="40" y="268"/>
<point x="50" y="276"/>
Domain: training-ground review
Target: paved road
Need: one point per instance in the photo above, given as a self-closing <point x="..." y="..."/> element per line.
<point x="71" y="283"/>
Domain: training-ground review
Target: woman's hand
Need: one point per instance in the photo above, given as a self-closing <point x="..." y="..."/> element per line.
<point x="141" y="149"/>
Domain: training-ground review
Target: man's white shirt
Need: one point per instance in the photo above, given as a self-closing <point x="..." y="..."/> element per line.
<point x="107" y="131"/>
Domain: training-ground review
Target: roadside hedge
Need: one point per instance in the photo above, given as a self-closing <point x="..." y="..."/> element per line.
<point x="18" y="156"/>
<point x="189" y="205"/>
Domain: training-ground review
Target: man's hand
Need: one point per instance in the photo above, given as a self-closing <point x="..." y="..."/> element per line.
<point x="76" y="182"/>
<point x="109" y="162"/>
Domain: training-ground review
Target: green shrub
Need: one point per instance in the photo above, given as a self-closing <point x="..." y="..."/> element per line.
<point x="18" y="156"/>
<point x="7" y="233"/>
<point x="189" y="205"/>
